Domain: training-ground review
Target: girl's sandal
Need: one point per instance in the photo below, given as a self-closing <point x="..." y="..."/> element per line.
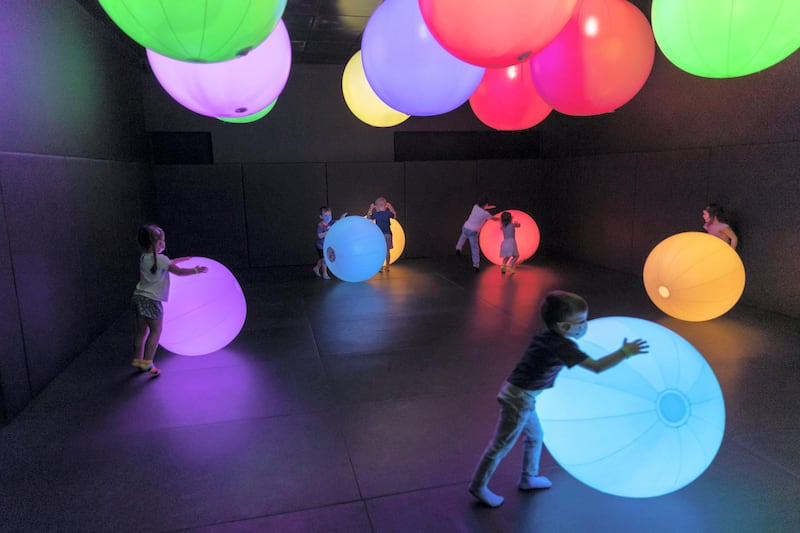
<point x="137" y="363"/>
<point x="148" y="366"/>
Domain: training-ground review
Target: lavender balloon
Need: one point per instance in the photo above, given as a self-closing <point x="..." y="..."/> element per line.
<point x="229" y="89"/>
<point x="407" y="68"/>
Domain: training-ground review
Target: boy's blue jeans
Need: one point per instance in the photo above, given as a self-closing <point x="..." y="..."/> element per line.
<point x="473" y="245"/>
<point x="517" y="416"/>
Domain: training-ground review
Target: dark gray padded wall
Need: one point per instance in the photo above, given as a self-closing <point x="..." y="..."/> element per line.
<point x="439" y="196"/>
<point x="201" y="208"/>
<point x="15" y="391"/>
<point x="760" y="187"/>
<point x="352" y="187"/>
<point x="282" y="204"/>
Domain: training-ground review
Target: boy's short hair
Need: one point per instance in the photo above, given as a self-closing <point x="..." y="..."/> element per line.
<point x="558" y="305"/>
<point x="323" y="209"/>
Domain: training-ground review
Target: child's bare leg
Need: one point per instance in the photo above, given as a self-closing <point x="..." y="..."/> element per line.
<point x="139" y="339"/>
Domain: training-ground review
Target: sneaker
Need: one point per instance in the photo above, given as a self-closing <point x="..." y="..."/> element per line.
<point x="535" y="482"/>
<point x="477" y="269"/>
<point x="502" y="269"/>
<point x="486" y="496"/>
<point x="458" y="252"/>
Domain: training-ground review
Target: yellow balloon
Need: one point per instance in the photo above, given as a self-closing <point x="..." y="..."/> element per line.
<point x="398" y="240"/>
<point x="694" y="276"/>
<point x="362" y="100"/>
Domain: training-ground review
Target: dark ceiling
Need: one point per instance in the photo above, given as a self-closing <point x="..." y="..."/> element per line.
<point x="322" y="31"/>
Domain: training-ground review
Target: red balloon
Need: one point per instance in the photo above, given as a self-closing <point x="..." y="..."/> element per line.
<point x="599" y="61"/>
<point x="526" y="235"/>
<point x="507" y="99"/>
<point x="495" y="33"/>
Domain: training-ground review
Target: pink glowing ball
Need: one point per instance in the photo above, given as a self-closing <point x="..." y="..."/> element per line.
<point x="599" y="61"/>
<point x="229" y="89"/>
<point x="493" y="33"/>
<point x="405" y="66"/>
<point x="205" y="312"/>
<point x="507" y="99"/>
<point x="527" y="237"/>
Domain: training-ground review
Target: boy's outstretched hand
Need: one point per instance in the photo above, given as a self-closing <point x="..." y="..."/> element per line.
<point x="635" y="347"/>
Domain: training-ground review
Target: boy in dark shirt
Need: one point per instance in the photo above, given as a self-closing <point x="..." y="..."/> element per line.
<point x="565" y="315"/>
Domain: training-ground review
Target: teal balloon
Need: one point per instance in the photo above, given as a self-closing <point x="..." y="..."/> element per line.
<point x="646" y="427"/>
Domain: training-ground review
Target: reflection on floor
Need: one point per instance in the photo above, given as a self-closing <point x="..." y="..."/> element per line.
<point x="364" y="407"/>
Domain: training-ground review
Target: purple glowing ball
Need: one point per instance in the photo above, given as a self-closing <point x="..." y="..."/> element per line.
<point x="229" y="89"/>
<point x="205" y="312"/>
<point x="407" y="68"/>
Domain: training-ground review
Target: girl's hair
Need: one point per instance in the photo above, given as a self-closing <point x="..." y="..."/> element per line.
<point x="558" y="305"/>
<point x="505" y="218"/>
<point x="715" y="210"/>
<point x="148" y="236"/>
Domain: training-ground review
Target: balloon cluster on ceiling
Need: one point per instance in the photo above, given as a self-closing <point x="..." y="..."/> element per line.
<point x="517" y="60"/>
<point x="513" y="60"/>
<point x="228" y="59"/>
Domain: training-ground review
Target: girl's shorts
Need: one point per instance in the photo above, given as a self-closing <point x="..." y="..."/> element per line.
<point x="319" y="253"/>
<point x="146" y="307"/>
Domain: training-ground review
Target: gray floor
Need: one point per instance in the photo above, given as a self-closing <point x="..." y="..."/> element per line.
<point x="364" y="407"/>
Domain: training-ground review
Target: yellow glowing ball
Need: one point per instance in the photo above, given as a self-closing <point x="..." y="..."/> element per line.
<point x="694" y="276"/>
<point x="398" y="240"/>
<point x="362" y="100"/>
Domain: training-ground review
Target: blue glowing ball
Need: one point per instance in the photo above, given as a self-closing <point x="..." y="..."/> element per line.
<point x="649" y="426"/>
<point x="354" y="249"/>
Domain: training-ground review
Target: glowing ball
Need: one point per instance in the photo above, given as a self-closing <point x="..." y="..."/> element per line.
<point x="208" y="31"/>
<point x="599" y="61"/>
<point x="205" y="312"/>
<point x="407" y="68"/>
<point x="250" y="118"/>
<point x="527" y="236"/>
<point x="354" y="249"/>
<point x="362" y="100"/>
<point x="507" y="99"/>
<point x="229" y="89"/>
<point x="694" y="276"/>
<point x="646" y="427"/>
<point x="495" y="34"/>
<point x="726" y="38"/>
<point x="398" y="240"/>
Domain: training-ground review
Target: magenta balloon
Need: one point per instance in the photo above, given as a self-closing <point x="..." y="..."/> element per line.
<point x="229" y="89"/>
<point x="407" y="68"/>
<point x="599" y="61"/>
<point x="507" y="99"/>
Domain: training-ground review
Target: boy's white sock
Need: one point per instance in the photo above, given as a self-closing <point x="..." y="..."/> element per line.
<point x="486" y="496"/>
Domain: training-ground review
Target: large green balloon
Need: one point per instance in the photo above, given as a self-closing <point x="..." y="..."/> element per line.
<point x="726" y="38"/>
<point x="196" y="30"/>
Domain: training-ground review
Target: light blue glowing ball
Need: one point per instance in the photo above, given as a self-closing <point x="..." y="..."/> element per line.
<point x="649" y="426"/>
<point x="354" y="249"/>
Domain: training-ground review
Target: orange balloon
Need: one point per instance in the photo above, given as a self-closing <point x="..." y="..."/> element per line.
<point x="694" y="276"/>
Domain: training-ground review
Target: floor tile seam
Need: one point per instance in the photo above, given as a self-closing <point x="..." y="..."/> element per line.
<point x="271" y="515"/>
<point x="754" y="452"/>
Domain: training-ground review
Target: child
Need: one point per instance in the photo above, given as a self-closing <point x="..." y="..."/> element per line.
<point x="381" y="211"/>
<point x="508" y="248"/>
<point x="564" y="314"/>
<point x="324" y="224"/>
<point x="152" y="289"/>
<point x="472" y="227"/>
<point x="712" y="213"/>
